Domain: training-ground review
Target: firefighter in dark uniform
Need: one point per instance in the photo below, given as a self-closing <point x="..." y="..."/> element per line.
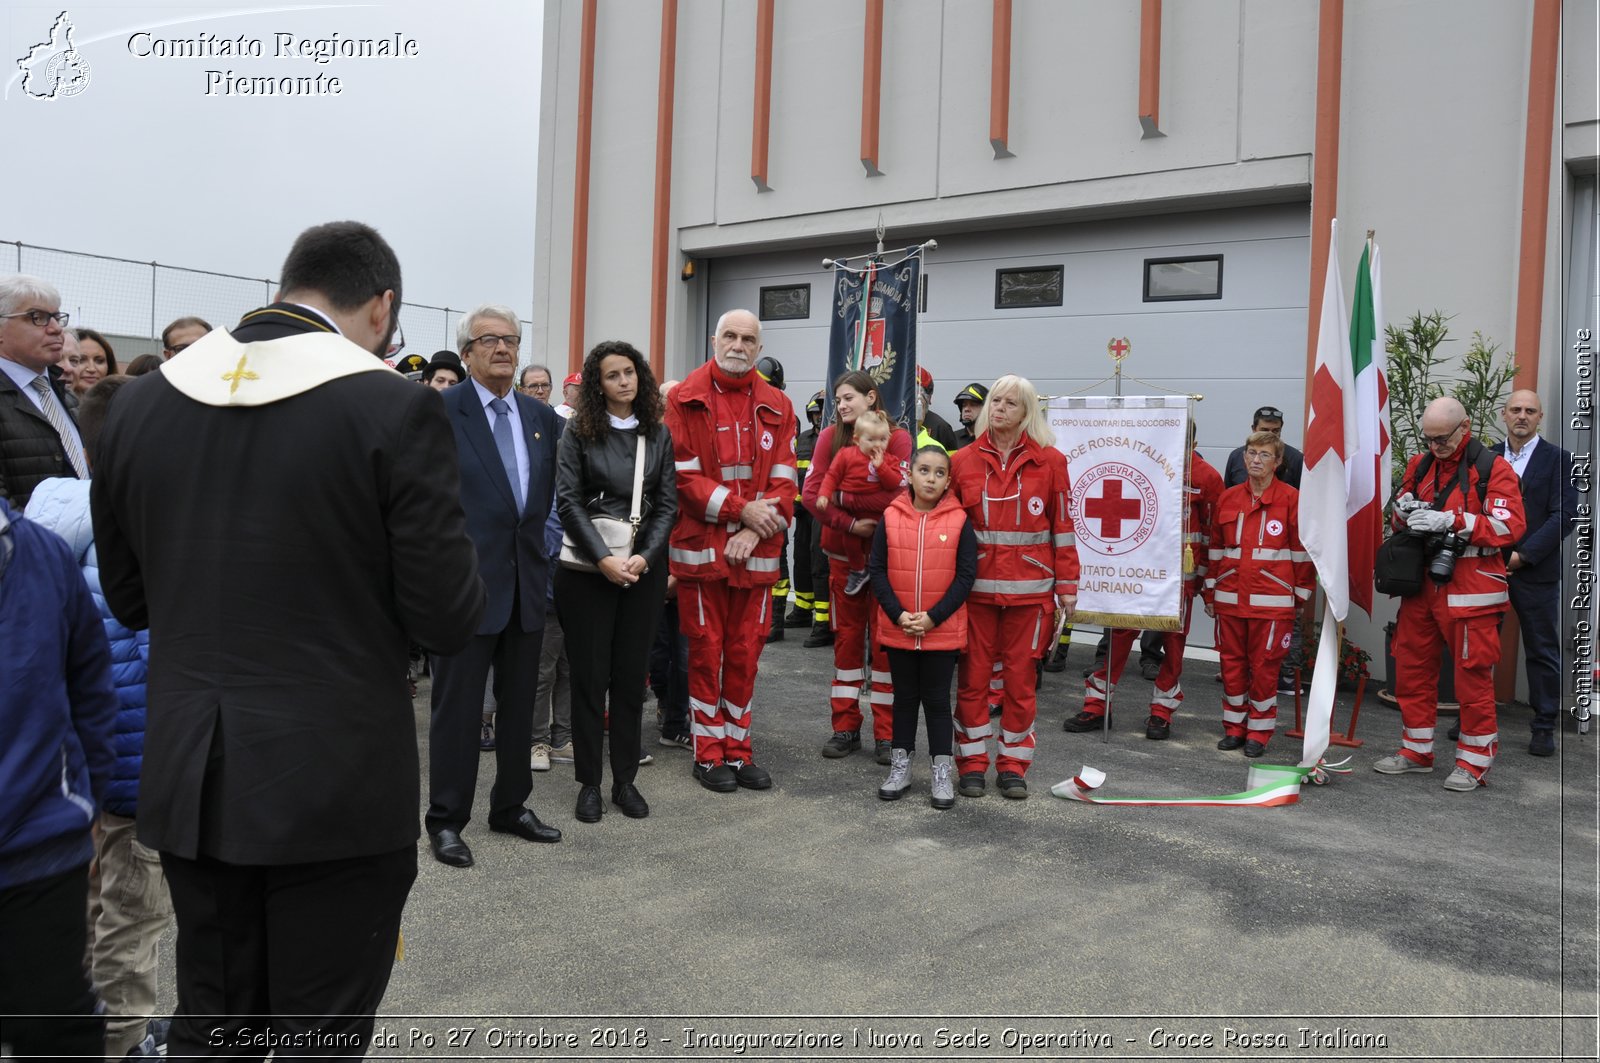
<point x="806" y="586"/>
<point x="771" y="371"/>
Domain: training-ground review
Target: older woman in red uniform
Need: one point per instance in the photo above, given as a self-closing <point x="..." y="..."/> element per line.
<point x="854" y="616"/>
<point x="1259" y="576"/>
<point x="1013" y="483"/>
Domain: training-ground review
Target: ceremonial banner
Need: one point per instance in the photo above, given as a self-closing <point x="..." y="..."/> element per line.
<point x="1128" y="456"/>
<point x="874" y="328"/>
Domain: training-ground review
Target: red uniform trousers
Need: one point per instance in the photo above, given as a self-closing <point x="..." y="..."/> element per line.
<point x="855" y="619"/>
<point x="1168" y="694"/>
<point x="1010" y="638"/>
<point x="1252" y="648"/>
<point x="726" y="628"/>
<point x="1423" y="629"/>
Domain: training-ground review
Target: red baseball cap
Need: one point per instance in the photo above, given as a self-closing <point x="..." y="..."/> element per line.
<point x="924" y="378"/>
<point x="572" y="378"/>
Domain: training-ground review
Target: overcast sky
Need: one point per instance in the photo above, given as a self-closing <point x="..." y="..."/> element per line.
<point x="438" y="150"/>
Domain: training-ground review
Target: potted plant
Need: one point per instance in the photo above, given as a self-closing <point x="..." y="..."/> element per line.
<point x="1417" y="376"/>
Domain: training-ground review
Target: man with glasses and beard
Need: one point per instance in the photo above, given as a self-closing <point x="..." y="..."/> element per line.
<point x="309" y="533"/>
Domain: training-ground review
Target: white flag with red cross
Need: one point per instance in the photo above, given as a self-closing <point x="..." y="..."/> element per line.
<point x="1127" y="457"/>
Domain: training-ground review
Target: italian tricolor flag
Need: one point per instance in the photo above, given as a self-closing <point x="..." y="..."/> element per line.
<point x="1346" y="478"/>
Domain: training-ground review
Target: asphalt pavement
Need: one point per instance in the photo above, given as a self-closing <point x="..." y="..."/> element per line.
<point x="1380" y="917"/>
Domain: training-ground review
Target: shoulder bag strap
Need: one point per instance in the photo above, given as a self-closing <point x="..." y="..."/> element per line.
<point x="638" y="483"/>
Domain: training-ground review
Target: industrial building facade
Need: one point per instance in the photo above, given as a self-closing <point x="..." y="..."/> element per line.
<point x="1093" y="170"/>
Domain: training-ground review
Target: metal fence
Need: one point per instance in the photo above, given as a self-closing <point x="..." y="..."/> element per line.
<point x="132" y="301"/>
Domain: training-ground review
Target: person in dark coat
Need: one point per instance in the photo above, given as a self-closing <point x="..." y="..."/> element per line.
<point x="38" y="432"/>
<point x="312" y="530"/>
<point x="1533" y="565"/>
<point x="615" y="426"/>
<point x="505" y="447"/>
<point x="57" y="708"/>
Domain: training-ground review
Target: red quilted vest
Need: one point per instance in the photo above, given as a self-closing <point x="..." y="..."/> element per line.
<point x="922" y="565"/>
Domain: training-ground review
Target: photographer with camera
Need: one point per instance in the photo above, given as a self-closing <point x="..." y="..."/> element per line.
<point x="1462" y="504"/>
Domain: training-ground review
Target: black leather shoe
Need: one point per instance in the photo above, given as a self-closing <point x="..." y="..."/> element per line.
<point x="821" y="635"/>
<point x="1156" y="729"/>
<point x="628" y="798"/>
<point x="776" y="634"/>
<point x="1084" y="721"/>
<point x="717" y="777"/>
<point x="752" y="776"/>
<point x="588" y="808"/>
<point x="1254" y="749"/>
<point x="797" y="617"/>
<point x="525" y="825"/>
<point x="1230" y="742"/>
<point x="1012" y="785"/>
<point x="448" y="848"/>
<point x="1057" y="661"/>
<point x="1542" y="744"/>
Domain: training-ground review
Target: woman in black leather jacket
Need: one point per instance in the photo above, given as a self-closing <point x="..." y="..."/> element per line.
<point x="610" y="615"/>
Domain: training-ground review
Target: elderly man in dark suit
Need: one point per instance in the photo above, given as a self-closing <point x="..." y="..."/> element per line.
<point x="506" y="443"/>
<point x="1533" y="565"/>
<point x="38" y="433"/>
<point x="311" y="530"/>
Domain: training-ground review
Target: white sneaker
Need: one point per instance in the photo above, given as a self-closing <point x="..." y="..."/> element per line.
<point x="562" y="754"/>
<point x="1398" y="764"/>
<point x="541" y="757"/>
<point x="1462" y="781"/>
<point x="647" y="758"/>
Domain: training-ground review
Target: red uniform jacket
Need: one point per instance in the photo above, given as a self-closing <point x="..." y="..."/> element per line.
<point x="1018" y="507"/>
<point x="1258" y="566"/>
<point x="720" y="468"/>
<point x="1201" y="495"/>
<point x="1479" y="585"/>
<point x="835" y="520"/>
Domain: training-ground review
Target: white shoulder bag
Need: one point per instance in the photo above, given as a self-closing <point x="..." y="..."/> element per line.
<point x="618" y="534"/>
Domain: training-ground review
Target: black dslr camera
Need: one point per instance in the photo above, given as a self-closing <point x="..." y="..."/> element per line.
<point x="1443" y="549"/>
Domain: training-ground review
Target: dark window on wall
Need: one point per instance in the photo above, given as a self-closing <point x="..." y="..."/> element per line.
<point x="1171" y="279"/>
<point x="789" y="302"/>
<point x="1015" y="289"/>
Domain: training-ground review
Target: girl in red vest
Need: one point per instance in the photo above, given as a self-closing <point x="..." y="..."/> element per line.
<point x="923" y="561"/>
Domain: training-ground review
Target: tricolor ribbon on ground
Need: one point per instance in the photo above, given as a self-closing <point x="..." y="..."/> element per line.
<point x="1268" y="785"/>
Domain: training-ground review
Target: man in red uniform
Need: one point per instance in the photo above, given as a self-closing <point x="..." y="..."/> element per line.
<point x="733" y="439"/>
<point x="1200" y="499"/>
<point x="1013" y="484"/>
<point x="1456" y="489"/>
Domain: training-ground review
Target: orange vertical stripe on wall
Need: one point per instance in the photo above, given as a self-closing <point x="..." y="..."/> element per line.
<point x="660" y="271"/>
<point x="1543" y="59"/>
<point x="1324" y="168"/>
<point x="762" y="121"/>
<point x="871" y="85"/>
<point x="1150" y="68"/>
<point x="1000" y="81"/>
<point x="578" y="308"/>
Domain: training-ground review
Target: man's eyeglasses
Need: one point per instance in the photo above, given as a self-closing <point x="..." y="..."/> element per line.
<point x="42" y="318"/>
<point x="397" y="342"/>
<point x="540" y="385"/>
<point x="1444" y="440"/>
<point x="177" y="349"/>
<point x="489" y="343"/>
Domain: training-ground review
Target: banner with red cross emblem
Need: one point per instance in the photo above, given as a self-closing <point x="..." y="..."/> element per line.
<point x="1128" y="460"/>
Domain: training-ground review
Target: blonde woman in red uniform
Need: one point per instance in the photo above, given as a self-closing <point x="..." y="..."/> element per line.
<point x="1013" y="483"/>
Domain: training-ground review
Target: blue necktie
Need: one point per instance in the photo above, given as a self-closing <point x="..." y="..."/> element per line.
<point x="502" y="443"/>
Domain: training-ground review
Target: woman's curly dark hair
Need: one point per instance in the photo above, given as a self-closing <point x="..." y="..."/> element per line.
<point x="589" y="419"/>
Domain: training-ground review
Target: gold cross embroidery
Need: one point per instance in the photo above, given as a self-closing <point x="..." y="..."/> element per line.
<point x="239" y="373"/>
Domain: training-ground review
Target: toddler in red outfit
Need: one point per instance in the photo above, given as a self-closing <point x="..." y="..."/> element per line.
<point x="863" y="468"/>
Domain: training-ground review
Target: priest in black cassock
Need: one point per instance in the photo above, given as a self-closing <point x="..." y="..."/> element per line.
<point x="282" y="510"/>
